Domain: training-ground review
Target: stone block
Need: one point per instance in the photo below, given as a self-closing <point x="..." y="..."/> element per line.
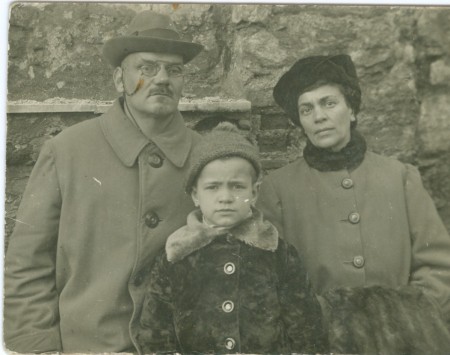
<point x="433" y="27"/>
<point x="274" y="121"/>
<point x="273" y="140"/>
<point x="434" y="123"/>
<point x="272" y="164"/>
<point x="440" y="72"/>
<point x="261" y="49"/>
<point x="251" y="13"/>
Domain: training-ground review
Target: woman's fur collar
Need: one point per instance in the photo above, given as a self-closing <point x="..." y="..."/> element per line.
<point x="349" y="157"/>
<point x="195" y="235"/>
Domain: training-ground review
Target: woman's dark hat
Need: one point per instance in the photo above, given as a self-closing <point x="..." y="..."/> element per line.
<point x="305" y="72"/>
<point x="149" y="32"/>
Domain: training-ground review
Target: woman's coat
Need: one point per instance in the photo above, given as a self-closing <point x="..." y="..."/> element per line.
<point x="374" y="225"/>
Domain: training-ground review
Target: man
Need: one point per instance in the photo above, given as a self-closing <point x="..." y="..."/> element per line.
<point x="101" y="200"/>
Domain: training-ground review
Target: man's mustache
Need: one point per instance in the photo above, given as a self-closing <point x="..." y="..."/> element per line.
<point x="161" y="90"/>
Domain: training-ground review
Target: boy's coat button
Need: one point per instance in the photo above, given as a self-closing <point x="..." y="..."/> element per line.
<point x="228" y="306"/>
<point x="229" y="268"/>
<point x="230" y="343"/>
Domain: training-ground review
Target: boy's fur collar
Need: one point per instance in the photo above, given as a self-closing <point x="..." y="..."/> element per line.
<point x="195" y="235"/>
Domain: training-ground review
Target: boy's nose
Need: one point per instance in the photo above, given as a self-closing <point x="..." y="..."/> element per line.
<point x="226" y="196"/>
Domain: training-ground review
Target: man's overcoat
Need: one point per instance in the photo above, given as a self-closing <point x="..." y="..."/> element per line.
<point x="101" y="200"/>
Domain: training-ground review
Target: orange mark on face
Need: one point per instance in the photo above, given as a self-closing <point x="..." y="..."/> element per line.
<point x="175" y="6"/>
<point x="140" y="83"/>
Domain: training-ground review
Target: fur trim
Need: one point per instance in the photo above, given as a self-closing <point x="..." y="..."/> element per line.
<point x="349" y="157"/>
<point x="381" y="320"/>
<point x="195" y="235"/>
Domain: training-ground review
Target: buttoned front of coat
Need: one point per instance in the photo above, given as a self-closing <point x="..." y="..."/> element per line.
<point x="100" y="202"/>
<point x="235" y="291"/>
<point x="374" y="225"/>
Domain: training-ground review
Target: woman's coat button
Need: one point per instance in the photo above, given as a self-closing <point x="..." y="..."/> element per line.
<point x="347" y="183"/>
<point x="358" y="261"/>
<point x="354" y="217"/>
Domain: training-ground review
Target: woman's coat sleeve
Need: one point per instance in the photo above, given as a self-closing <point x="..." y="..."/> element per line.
<point x="430" y="264"/>
<point x="31" y="316"/>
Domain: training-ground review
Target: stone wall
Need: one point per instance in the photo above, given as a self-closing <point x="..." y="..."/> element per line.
<point x="402" y="56"/>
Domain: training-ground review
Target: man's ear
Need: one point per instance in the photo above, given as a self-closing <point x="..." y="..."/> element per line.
<point x="118" y="79"/>
<point x="194" y="196"/>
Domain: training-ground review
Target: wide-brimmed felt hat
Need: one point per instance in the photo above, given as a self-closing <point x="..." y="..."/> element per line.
<point x="307" y="71"/>
<point x="149" y="32"/>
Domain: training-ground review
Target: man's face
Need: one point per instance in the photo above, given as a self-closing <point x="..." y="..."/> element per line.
<point x="152" y="82"/>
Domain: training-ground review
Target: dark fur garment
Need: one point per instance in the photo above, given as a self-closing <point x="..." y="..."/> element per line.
<point x="380" y="320"/>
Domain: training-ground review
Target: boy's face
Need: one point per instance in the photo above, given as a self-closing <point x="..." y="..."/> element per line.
<point x="225" y="191"/>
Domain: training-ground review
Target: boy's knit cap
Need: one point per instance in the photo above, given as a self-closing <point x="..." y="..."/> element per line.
<point x="224" y="141"/>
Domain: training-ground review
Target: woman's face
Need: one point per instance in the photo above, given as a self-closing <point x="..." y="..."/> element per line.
<point x="326" y="117"/>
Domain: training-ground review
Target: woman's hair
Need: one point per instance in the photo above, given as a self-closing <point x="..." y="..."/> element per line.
<point x="350" y="95"/>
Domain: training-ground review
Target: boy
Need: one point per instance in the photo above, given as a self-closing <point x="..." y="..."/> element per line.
<point x="226" y="282"/>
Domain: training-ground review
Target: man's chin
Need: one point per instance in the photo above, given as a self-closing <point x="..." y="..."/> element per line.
<point x="162" y="107"/>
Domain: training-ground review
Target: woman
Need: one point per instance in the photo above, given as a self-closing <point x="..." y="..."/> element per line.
<point x="358" y="219"/>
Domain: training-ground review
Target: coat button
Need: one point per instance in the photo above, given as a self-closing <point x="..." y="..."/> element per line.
<point x="155" y="160"/>
<point x="230" y="343"/>
<point x="354" y="217"/>
<point x="358" y="261"/>
<point x="151" y="220"/>
<point x="229" y="268"/>
<point x="228" y="306"/>
<point x="347" y="183"/>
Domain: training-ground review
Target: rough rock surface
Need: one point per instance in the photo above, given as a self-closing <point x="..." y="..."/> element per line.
<point x="402" y="56"/>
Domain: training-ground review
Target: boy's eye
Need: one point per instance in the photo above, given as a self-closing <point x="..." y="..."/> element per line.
<point x="211" y="187"/>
